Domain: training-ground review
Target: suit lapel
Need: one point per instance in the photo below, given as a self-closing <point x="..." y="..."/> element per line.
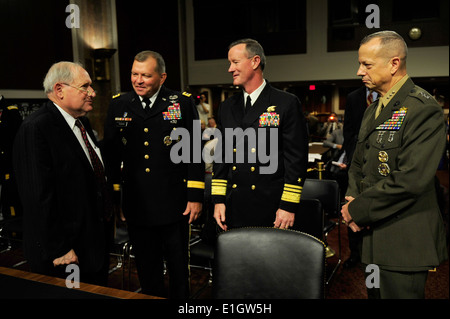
<point x="136" y="106"/>
<point x="67" y="135"/>
<point x="238" y="108"/>
<point x="162" y="102"/>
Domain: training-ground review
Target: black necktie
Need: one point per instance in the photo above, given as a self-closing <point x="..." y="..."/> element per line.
<point x="98" y="171"/>
<point x="147" y="104"/>
<point x="248" y="105"/>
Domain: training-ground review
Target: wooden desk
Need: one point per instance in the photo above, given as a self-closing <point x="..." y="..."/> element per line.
<point x="18" y="284"/>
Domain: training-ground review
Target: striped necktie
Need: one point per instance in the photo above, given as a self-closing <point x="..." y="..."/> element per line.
<point x="369" y="98"/>
<point x="99" y="171"/>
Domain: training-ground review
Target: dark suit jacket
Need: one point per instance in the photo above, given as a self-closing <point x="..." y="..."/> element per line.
<point x="253" y="198"/>
<point x="392" y="181"/>
<point x="354" y="111"/>
<point x="62" y="206"/>
<point x="155" y="189"/>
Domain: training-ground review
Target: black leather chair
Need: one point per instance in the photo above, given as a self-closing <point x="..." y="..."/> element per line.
<point x="268" y="263"/>
<point x="309" y="218"/>
<point x="328" y="192"/>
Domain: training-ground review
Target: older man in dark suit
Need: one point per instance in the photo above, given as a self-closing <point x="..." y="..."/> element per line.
<point x="248" y="189"/>
<point x="391" y="191"/>
<point x="61" y="181"/>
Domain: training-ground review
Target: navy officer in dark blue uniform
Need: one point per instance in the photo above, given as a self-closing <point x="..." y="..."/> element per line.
<point x="160" y="197"/>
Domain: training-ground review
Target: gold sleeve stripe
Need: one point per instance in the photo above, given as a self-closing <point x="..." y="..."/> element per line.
<point x="290" y="197"/>
<point x="224" y="181"/>
<point x="116" y="187"/>
<point x="219" y="187"/>
<point x="196" y="184"/>
<point x="287" y="189"/>
<point x="293" y="186"/>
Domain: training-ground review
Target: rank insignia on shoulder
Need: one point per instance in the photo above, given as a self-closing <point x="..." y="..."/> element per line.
<point x="12" y="107"/>
<point x="116" y="96"/>
<point x="187" y="94"/>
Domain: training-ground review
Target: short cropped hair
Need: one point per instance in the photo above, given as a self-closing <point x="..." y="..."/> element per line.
<point x="160" y="64"/>
<point x="390" y="40"/>
<point x="253" y="48"/>
<point x="61" y="72"/>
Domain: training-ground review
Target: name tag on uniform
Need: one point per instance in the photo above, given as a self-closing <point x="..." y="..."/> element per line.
<point x="122" y="121"/>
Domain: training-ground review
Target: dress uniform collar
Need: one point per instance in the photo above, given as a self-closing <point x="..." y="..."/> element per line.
<point x="389" y="96"/>
<point x="255" y="94"/>
<point x="259" y="106"/>
<point x="152" y="98"/>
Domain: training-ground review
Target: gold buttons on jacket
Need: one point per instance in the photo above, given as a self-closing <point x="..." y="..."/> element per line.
<point x="146" y="156"/>
<point x="253" y="150"/>
<point x="145" y="143"/>
<point x="253" y="187"/>
<point x="234" y="168"/>
<point x="252" y="168"/>
<point x="146" y="130"/>
<point x="234" y="186"/>
<point x="147" y="170"/>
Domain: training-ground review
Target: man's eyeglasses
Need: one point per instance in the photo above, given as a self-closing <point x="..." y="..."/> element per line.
<point x="82" y="89"/>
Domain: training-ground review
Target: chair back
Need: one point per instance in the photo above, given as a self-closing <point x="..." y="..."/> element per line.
<point x="309" y="218"/>
<point x="325" y="190"/>
<point x="268" y="263"/>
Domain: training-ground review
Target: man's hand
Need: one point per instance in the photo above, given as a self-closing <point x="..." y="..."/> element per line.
<point x="284" y="219"/>
<point x="219" y="215"/>
<point x="193" y="208"/>
<point x="69" y="258"/>
<point x="346" y="215"/>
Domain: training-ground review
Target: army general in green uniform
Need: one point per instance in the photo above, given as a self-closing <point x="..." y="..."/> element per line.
<point x="391" y="192"/>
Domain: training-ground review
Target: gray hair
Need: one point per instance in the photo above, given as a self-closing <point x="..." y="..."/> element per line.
<point x="253" y="48"/>
<point x="391" y="41"/>
<point x="160" y="64"/>
<point x="61" y="72"/>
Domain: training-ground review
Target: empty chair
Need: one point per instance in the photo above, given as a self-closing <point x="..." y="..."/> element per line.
<point x="328" y="192"/>
<point x="268" y="263"/>
<point x="309" y="218"/>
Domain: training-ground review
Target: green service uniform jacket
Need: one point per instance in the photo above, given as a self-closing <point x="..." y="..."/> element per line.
<point x="392" y="180"/>
<point x="137" y="154"/>
<point x="252" y="195"/>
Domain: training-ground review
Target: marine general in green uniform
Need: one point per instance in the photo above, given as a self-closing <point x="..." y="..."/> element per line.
<point x="391" y="192"/>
